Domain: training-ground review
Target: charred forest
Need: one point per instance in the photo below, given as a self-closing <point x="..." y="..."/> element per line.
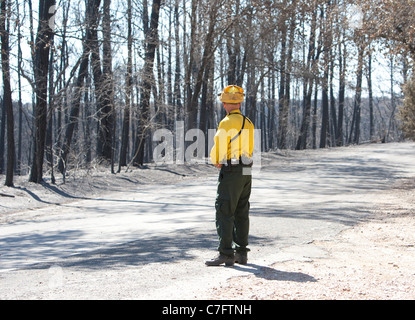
<point x="87" y="83"/>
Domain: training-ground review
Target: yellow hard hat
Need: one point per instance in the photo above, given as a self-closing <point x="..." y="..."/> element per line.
<point x="232" y="94"/>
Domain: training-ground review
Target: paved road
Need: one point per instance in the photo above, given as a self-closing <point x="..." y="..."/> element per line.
<point x="151" y="243"/>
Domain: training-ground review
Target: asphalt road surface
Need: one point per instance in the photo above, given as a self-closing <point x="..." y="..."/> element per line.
<point x="151" y="242"/>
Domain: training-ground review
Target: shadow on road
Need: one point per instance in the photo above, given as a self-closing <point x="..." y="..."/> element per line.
<point x="269" y="273"/>
<point x="174" y="247"/>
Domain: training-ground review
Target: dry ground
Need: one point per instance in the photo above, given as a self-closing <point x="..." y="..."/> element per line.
<point x="373" y="260"/>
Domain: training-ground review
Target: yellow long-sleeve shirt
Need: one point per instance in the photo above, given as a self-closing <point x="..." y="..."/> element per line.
<point x="228" y="143"/>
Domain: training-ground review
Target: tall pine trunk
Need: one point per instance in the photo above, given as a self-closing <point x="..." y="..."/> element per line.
<point x="308" y="85"/>
<point x="104" y="86"/>
<point x="355" y="128"/>
<point x="151" y="39"/>
<point x="128" y="82"/>
<point x="44" y="39"/>
<point x="342" y="90"/>
<point x="7" y="92"/>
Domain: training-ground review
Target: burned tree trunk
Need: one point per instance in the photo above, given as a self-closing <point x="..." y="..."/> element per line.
<point x="41" y="68"/>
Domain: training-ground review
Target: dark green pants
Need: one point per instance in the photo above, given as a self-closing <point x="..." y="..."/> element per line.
<point x="232" y="210"/>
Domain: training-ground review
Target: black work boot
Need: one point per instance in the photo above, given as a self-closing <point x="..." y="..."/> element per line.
<point x="220" y="259"/>
<point x="241" y="257"/>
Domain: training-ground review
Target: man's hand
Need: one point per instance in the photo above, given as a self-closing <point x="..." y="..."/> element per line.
<point x="218" y="165"/>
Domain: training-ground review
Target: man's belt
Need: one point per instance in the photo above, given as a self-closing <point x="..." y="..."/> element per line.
<point x="245" y="162"/>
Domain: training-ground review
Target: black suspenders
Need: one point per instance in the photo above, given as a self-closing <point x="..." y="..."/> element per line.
<point x="240" y="131"/>
<point x="243" y="125"/>
<point x="229" y="162"/>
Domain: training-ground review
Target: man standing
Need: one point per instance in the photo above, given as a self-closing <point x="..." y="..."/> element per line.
<point x="232" y="153"/>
